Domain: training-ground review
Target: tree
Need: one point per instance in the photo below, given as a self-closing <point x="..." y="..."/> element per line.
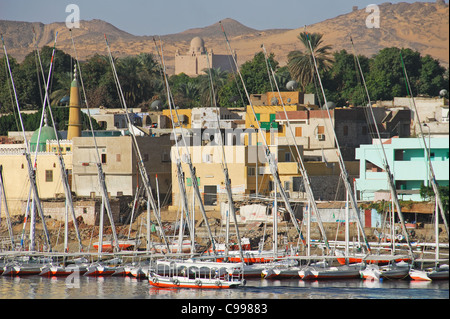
<point x="99" y="82"/>
<point x="7" y="103"/>
<point x="256" y="79"/>
<point x="431" y="77"/>
<point x="301" y="65"/>
<point x="386" y="79"/>
<point x="32" y="121"/>
<point x="218" y="78"/>
<point x="343" y="81"/>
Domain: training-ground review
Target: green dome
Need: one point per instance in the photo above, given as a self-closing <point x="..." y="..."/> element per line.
<point x="47" y="133"/>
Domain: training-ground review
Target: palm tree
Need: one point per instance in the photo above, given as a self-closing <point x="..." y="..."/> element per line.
<point x="300" y="63"/>
<point x="218" y="77"/>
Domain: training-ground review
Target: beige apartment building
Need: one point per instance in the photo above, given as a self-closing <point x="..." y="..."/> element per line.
<point x="119" y="163"/>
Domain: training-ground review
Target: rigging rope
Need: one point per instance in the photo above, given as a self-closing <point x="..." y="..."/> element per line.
<point x="300" y="163"/>
<point x="385" y="160"/>
<point x="31" y="172"/>
<point x="344" y="173"/>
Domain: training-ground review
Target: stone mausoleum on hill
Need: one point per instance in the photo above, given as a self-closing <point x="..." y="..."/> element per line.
<point x="199" y="59"/>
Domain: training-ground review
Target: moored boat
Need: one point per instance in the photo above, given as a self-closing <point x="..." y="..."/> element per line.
<point x="369" y="259"/>
<point x="174" y="248"/>
<point x="342" y="272"/>
<point x="53" y="270"/>
<point x="98" y="269"/>
<point x="440" y="273"/>
<point x="419" y="275"/>
<point x="393" y="271"/>
<point x="197" y="274"/>
<point x="108" y="246"/>
<point x="22" y="270"/>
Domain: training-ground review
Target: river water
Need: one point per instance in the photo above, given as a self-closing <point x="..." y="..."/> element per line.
<point x="82" y="287"/>
<point x="261" y="297"/>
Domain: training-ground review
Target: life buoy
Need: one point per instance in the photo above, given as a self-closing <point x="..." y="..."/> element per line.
<point x="155" y="280"/>
<point x="218" y="283"/>
<point x="198" y="283"/>
<point x="176" y="282"/>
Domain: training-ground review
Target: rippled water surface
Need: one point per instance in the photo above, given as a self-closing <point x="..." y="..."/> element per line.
<point x="35" y="287"/>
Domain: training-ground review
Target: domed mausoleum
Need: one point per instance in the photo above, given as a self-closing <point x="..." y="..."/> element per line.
<point x="199" y="58"/>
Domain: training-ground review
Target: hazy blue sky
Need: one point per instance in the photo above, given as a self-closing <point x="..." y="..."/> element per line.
<point x="160" y="17"/>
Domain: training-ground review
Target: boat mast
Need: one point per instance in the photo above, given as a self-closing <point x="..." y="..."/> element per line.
<point x="387" y="169"/>
<point x="31" y="172"/>
<point x="100" y="173"/>
<point x="269" y="156"/>
<point x="188" y="156"/>
<point x="431" y="173"/>
<point x="180" y="173"/>
<point x="300" y="163"/>
<point x="227" y="179"/>
<point x="142" y="170"/>
<point x="8" y="218"/>
<point x="344" y="173"/>
<point x="63" y="172"/>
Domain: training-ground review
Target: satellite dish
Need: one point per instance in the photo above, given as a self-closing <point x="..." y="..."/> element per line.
<point x="443" y="92"/>
<point x="234" y="98"/>
<point x="156" y="105"/>
<point x="329" y="105"/>
<point x="291" y="85"/>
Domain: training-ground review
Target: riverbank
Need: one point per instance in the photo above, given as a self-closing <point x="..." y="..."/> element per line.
<point x="260" y="234"/>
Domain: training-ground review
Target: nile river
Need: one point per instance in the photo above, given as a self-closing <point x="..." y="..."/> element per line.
<point x="35" y="287"/>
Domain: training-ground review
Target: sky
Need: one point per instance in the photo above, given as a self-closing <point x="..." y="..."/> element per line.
<point x="161" y="17"/>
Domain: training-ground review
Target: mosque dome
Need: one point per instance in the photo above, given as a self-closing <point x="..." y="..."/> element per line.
<point x="47" y="133"/>
<point x="197" y="45"/>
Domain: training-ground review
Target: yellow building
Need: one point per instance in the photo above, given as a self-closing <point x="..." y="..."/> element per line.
<point x="207" y="161"/>
<point x="184" y="118"/>
<point x="16" y="179"/>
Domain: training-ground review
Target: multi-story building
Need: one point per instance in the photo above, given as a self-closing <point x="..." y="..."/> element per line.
<point x="407" y="160"/>
<point x="315" y="132"/>
<point x="119" y="162"/>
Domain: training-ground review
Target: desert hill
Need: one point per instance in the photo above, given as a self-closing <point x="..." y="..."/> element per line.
<point x="421" y="26"/>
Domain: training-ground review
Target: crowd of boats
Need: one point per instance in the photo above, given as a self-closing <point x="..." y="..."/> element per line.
<point x="225" y="270"/>
<point x="218" y="268"/>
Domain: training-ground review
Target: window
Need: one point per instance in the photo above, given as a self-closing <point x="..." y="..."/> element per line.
<point x="118" y="158"/>
<point x="320" y="129"/>
<point x="298" y="131"/>
<point x="145" y="158"/>
<point x="207" y="158"/>
<point x="287" y="186"/>
<point x="287" y="157"/>
<point x="251" y="171"/>
<point x="365" y="130"/>
<point x="165" y="157"/>
<point x="398" y="155"/>
<point x="103" y="158"/>
<point x="49" y="175"/>
<point x="345" y="130"/>
<point x="297" y="184"/>
<point x="68" y="149"/>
